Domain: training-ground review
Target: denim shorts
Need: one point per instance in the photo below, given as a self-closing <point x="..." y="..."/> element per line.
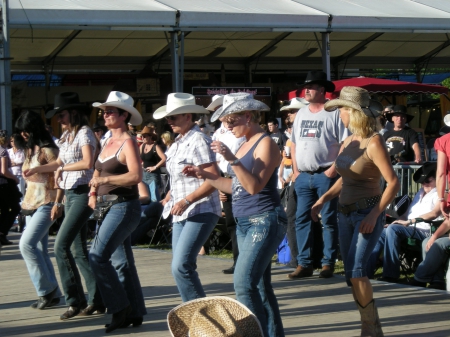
<point x="355" y="246"/>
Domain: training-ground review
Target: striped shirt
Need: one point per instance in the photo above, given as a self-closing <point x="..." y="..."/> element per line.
<point x="193" y="148"/>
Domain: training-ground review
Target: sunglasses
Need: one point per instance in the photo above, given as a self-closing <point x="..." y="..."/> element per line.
<point x="171" y="118"/>
<point x="292" y="112"/>
<point x="109" y="112"/>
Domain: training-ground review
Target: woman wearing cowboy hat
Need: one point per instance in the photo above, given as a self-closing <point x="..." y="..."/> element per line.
<point x="261" y="220"/>
<point x="361" y="164"/>
<point x="117" y="173"/>
<point x="193" y="203"/>
<point x="73" y="171"/>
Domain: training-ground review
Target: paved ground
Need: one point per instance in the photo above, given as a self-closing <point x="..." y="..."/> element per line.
<point x="310" y="307"/>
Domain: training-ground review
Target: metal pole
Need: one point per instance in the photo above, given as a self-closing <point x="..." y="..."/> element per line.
<point x="326" y="54"/>
<point x="5" y="72"/>
<point x="174" y="56"/>
<point x="181" y="79"/>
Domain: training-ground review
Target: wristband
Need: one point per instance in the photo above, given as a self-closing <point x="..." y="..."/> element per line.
<point x="92" y="194"/>
<point x="441" y="199"/>
<point x="234" y="162"/>
<point x="187" y="202"/>
<point x="57" y="204"/>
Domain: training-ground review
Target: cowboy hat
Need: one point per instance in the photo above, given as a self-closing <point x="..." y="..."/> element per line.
<point x="355" y="98"/>
<point x="320" y="78"/>
<point x="122" y="101"/>
<point x="213" y="316"/>
<point x="399" y="110"/>
<point x="216" y="101"/>
<point x="428" y="169"/>
<point x="295" y="104"/>
<point x="147" y="130"/>
<point x="66" y="101"/>
<point x="238" y="102"/>
<point x="179" y="103"/>
<point x="447" y="120"/>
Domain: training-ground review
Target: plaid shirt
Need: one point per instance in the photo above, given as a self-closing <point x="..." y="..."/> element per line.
<point x="72" y="153"/>
<point x="193" y="148"/>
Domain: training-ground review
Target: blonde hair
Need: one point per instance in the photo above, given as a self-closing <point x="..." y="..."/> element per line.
<point x="2" y="140"/>
<point x="361" y="124"/>
<point x="168" y="138"/>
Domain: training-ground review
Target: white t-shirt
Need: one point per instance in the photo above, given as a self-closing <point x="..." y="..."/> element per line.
<point x="225" y="136"/>
<point x="422" y="204"/>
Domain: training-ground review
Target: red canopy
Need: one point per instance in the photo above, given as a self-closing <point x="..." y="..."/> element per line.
<point x="380" y="85"/>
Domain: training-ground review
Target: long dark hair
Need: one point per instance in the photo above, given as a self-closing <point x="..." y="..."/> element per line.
<point x="32" y="123"/>
<point x="78" y="119"/>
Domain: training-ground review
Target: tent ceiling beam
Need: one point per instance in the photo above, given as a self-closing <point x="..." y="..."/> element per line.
<point x="356" y="49"/>
<point x="267" y="48"/>
<point x="60" y="47"/>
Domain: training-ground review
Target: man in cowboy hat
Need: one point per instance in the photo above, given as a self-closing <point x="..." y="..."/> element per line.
<point x="316" y="140"/>
<point x="402" y="142"/>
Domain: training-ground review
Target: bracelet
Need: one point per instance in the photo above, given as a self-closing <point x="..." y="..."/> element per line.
<point x="441" y="199"/>
<point x="410" y="222"/>
<point x="57" y="204"/>
<point x="92" y="194"/>
<point x="62" y="168"/>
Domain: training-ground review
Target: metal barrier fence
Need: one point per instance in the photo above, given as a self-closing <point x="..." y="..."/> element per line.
<point x="405" y="176"/>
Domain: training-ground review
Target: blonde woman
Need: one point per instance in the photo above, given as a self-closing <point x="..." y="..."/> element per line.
<point x="361" y="163"/>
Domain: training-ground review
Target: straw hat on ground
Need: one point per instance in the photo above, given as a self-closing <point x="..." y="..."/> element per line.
<point x="238" y="102"/>
<point x="216" y="316"/>
<point x="122" y="101"/>
<point x="179" y="103"/>
<point x="355" y="98"/>
<point x="295" y="104"/>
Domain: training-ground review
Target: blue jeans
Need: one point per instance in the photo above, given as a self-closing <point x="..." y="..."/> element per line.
<point x="153" y="181"/>
<point x="112" y="260"/>
<point x="258" y="237"/>
<point x="34" y="248"/>
<point x="432" y="269"/>
<point x="309" y="188"/>
<point x="356" y="247"/>
<point x="71" y="249"/>
<point x="390" y="242"/>
<point x="188" y="237"/>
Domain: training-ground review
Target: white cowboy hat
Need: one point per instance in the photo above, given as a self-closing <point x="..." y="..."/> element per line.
<point x="447" y="120"/>
<point x="295" y="104"/>
<point x="179" y="103"/>
<point x="238" y="102"/>
<point x="216" y="101"/>
<point x="122" y="101"/>
<point x="217" y="316"/>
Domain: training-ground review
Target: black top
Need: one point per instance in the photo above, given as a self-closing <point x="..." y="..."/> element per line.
<point x="279" y="138"/>
<point x="150" y="158"/>
<point x="399" y="143"/>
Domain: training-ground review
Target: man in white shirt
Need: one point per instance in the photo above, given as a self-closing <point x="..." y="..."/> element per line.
<point x="425" y="205"/>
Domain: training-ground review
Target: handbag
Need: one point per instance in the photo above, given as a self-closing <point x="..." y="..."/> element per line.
<point x="104" y="204"/>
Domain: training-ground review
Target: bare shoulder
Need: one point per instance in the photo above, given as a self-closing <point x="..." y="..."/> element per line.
<point x="376" y="146"/>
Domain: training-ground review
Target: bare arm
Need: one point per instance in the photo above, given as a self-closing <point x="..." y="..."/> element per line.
<point x="161" y="155"/>
<point x="294" y="162"/>
<point x="431" y="215"/>
<point x="441" y="181"/>
<point x="144" y="195"/>
<point x="416" y="149"/>
<point x="442" y="229"/>
<point x="5" y="170"/>
<point x="332" y="193"/>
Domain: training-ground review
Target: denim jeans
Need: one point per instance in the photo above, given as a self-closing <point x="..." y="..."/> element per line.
<point x="71" y="249"/>
<point x="432" y="268"/>
<point x="355" y="246"/>
<point x="153" y="181"/>
<point x="390" y="242"/>
<point x="112" y="260"/>
<point x="34" y="248"/>
<point x="309" y="188"/>
<point x="258" y="238"/>
<point x="188" y="237"/>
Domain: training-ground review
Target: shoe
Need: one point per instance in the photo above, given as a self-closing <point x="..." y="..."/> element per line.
<point x="437" y="285"/>
<point x="229" y="270"/>
<point x="326" y="272"/>
<point x="92" y="309"/>
<point x="72" y="312"/>
<point x="53" y="302"/>
<point x="44" y="301"/>
<point x="415" y="283"/>
<point x="301" y="272"/>
<point x="118" y="319"/>
<point x="370" y="321"/>
<point x="136" y="321"/>
<point x="388" y="279"/>
<point x="4" y="240"/>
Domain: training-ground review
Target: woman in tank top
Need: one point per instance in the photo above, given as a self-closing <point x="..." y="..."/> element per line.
<point x="261" y="220"/>
<point x="117" y="173"/>
<point x="361" y="163"/>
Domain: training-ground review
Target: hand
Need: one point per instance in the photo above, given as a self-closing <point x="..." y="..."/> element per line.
<point x="315" y="210"/>
<point x="179" y="208"/>
<point x="430" y="243"/>
<point x="164" y="202"/>
<point x="221" y="148"/>
<point x="331" y="172"/>
<point x="401" y="222"/>
<point x="92" y="201"/>
<point x="295" y="174"/>
<point x="367" y="224"/>
<point x="97" y="181"/>
<point x="194" y="171"/>
<point x="282" y="181"/>
<point x="222" y="196"/>
<point x="29" y="172"/>
<point x="56" y="212"/>
<point x="418" y="160"/>
<point x="444" y="209"/>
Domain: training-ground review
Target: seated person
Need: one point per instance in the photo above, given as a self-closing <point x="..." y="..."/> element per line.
<point x="435" y="250"/>
<point x="425" y="205"/>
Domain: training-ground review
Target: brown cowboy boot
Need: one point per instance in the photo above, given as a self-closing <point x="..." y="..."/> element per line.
<point x="370" y="321"/>
<point x="301" y="272"/>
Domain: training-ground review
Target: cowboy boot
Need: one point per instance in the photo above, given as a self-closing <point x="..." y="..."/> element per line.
<point x="370" y="322"/>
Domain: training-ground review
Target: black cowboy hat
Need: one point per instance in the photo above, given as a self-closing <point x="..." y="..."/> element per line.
<point x="428" y="169"/>
<point x="65" y="101"/>
<point x="399" y="110"/>
<point x="320" y="78"/>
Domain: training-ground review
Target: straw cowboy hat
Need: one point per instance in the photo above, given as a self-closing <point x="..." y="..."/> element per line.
<point x="238" y="102"/>
<point x="66" y="101"/>
<point x="179" y="103"/>
<point x="399" y="110"/>
<point x="356" y="98"/>
<point x="122" y="101"/>
<point x="214" y="316"/>
<point x="295" y="104"/>
<point x="216" y="101"/>
<point x="320" y="78"/>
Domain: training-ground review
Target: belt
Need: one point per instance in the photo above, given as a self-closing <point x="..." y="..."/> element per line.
<point x="287" y="166"/>
<point x="116" y="198"/>
<point x="226" y="175"/>
<point x="320" y="170"/>
<point x="361" y="204"/>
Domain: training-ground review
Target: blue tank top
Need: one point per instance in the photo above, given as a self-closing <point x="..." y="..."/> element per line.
<point x="245" y="204"/>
